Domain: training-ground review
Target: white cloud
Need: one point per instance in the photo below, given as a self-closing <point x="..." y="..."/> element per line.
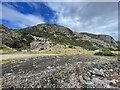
<point x="97" y="18"/>
<point x="19" y="19"/>
<point x="33" y="5"/>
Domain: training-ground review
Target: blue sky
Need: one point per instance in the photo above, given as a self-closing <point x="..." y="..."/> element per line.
<point x="38" y="12"/>
<point x="91" y="17"/>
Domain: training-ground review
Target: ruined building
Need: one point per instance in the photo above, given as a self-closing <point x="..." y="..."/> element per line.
<point x="40" y="44"/>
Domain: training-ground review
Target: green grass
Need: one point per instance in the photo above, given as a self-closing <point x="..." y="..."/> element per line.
<point x="68" y="51"/>
<point x="14" y="59"/>
<point x="5" y="49"/>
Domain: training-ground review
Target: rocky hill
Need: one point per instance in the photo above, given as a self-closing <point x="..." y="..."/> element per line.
<point x="99" y="41"/>
<point x="22" y="38"/>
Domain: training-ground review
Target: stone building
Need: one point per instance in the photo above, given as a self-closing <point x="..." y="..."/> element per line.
<point x="40" y="44"/>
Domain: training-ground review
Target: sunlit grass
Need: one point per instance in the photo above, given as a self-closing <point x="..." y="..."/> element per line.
<point x="117" y="52"/>
<point x="5" y="49"/>
<point x="88" y="52"/>
<point x="14" y="59"/>
<point x="75" y="50"/>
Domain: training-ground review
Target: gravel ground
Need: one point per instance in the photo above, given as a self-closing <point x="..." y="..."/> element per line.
<point x="61" y="71"/>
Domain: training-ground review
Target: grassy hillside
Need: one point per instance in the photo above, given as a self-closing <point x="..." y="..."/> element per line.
<point x="21" y="39"/>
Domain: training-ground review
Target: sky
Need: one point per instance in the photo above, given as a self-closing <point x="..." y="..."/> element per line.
<point x="91" y="17"/>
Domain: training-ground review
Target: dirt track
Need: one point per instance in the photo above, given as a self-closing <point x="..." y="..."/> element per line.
<point x="10" y="56"/>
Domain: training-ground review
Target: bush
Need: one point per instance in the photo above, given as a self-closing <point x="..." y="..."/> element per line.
<point x="70" y="46"/>
<point x="105" y="52"/>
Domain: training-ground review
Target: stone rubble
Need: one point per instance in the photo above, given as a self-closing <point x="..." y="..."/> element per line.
<point x="62" y="72"/>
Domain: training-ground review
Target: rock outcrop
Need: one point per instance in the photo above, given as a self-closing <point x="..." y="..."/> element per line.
<point x="98" y="41"/>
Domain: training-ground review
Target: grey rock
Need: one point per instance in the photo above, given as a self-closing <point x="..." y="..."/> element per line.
<point x="90" y="85"/>
<point x="59" y="71"/>
<point x="86" y="78"/>
<point x="98" y="72"/>
<point x="100" y="83"/>
<point x="83" y="82"/>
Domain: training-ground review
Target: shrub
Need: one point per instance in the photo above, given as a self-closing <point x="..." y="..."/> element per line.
<point x="105" y="52"/>
<point x="70" y="46"/>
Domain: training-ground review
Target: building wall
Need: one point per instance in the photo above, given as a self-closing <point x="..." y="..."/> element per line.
<point x="37" y="45"/>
